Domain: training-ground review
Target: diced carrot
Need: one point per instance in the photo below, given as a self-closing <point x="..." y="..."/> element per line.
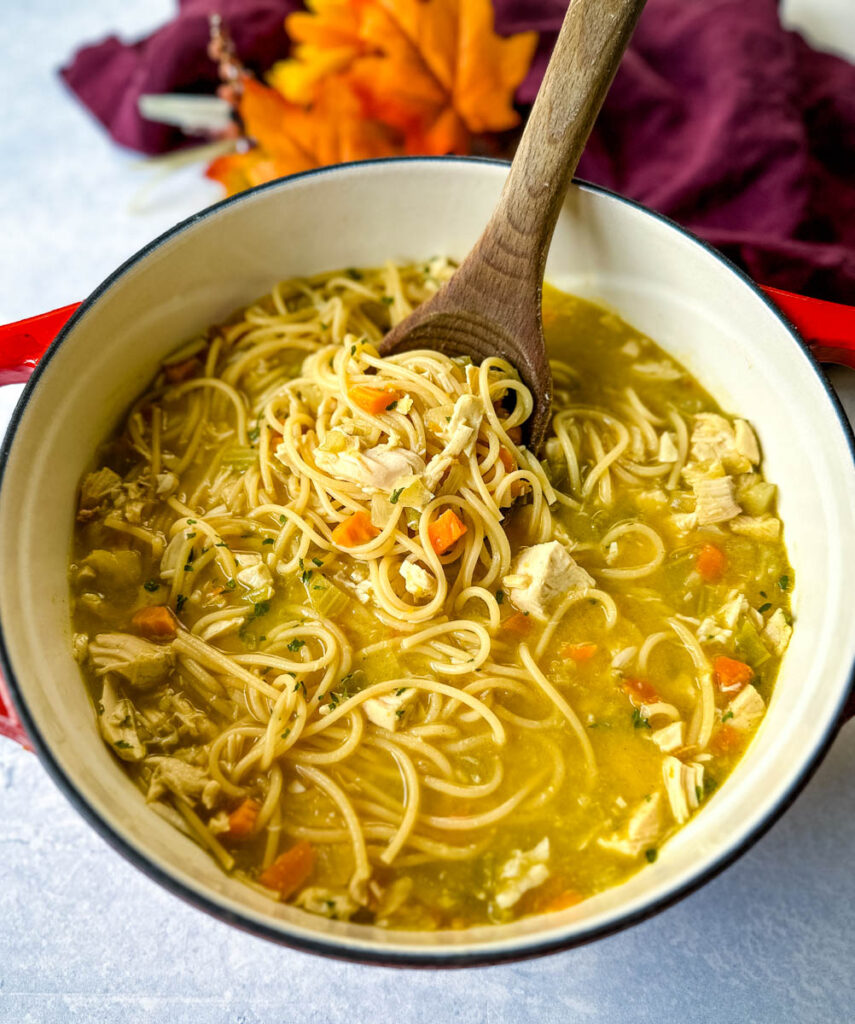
<point x="156" y="622"/>
<point x="568" y="898"/>
<point x="355" y="530"/>
<point x="517" y="623"/>
<point x="373" y="400"/>
<point x="640" y="691"/>
<point x="731" y="674"/>
<point x="726" y="740"/>
<point x="290" y="869"/>
<point x="711" y="563"/>
<point x="578" y="652"/>
<point x="445" y="531"/>
<point x="274" y="440"/>
<point x="507" y="459"/>
<point x="176" y="372"/>
<point x="242" y="820"/>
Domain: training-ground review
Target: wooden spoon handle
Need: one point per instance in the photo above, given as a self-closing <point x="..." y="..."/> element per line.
<point x="592" y="40"/>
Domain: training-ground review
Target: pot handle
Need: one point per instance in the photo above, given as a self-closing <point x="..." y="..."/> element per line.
<point x="828" y="328"/>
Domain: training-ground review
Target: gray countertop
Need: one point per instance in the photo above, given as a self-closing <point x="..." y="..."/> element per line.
<point x="84" y="936"/>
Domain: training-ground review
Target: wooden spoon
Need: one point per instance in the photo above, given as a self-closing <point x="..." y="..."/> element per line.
<point x="492" y="304"/>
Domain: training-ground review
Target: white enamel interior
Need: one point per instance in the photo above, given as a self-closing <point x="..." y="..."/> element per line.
<point x="657" y="278"/>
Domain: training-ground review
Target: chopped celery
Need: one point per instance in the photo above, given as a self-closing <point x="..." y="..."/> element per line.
<point x="326" y="598"/>
<point x="240" y="457"/>
<point x="757" y="498"/>
<point x="381" y="665"/>
<point x="750" y="646"/>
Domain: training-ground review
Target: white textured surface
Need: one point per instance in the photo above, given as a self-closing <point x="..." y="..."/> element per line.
<point x="84" y="936"/>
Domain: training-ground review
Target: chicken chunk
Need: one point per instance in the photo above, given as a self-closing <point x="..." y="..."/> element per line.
<point x="758" y="527"/>
<point x="390" y="710"/>
<point x="520" y="872"/>
<point x="117" y="723"/>
<point x="777" y="631"/>
<point x="376" y="470"/>
<point x="184" y="780"/>
<point x="715" y="500"/>
<point x="139" y="661"/>
<point x="667" y="449"/>
<point x="640" y="832"/>
<point x="684" y="786"/>
<point x="715" y="439"/>
<point x="417" y="581"/>
<point x="542" y="573"/>
<point x="460" y="436"/>
<point x="670" y="737"/>
<point x="334" y="903"/>
<point x="745" y="710"/>
<point x="255" y="576"/>
<point x="98" y="490"/>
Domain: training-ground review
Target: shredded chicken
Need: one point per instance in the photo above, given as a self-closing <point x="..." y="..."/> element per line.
<point x="520" y="872"/>
<point x="667" y="449"/>
<point x="255" y="576"/>
<point x="684" y="786"/>
<point x="376" y="470"/>
<point x="184" y="780"/>
<point x="715" y="500"/>
<point x="461" y="434"/>
<point x="758" y="527"/>
<point x="777" y="631"/>
<point x="715" y="439"/>
<point x="640" y="832"/>
<point x="391" y="709"/>
<point x="139" y="661"/>
<point x="334" y="903"/>
<point x="745" y="710"/>
<point x="97" y="491"/>
<point x="117" y="722"/>
<point x="417" y="581"/>
<point x="670" y="737"/>
<point x="542" y="573"/>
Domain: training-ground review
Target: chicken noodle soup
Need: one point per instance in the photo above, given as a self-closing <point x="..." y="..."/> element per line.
<point x="345" y="631"/>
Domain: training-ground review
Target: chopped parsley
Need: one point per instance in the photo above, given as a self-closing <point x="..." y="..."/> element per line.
<point x="400" y="690"/>
<point x="267" y="540"/>
<point x="220" y="544"/>
<point x="285" y="735"/>
<point x="260" y="608"/>
<point x="784" y="582"/>
<point x="391" y="405"/>
<point x="306" y="575"/>
<point x="283" y="519"/>
<point x="253" y="434"/>
<point x="180" y="601"/>
<point x="765" y="607"/>
<point x="651" y="855"/>
<point x="300" y="685"/>
<point x="354" y="274"/>
<point x="296" y="644"/>
<point x="317" y="562"/>
<point x="122" y="745"/>
<point x="638" y="720"/>
<point x="400" y="713"/>
<point x="151" y="586"/>
<point x="393" y="497"/>
<point x="231" y="584"/>
<point x="500" y="596"/>
<point x="726" y="716"/>
<point x="191" y="522"/>
<point x="387" y="299"/>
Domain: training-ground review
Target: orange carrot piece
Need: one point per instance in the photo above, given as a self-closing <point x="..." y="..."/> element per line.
<point x="445" y="531"/>
<point x="517" y="623"/>
<point x="568" y="898"/>
<point x="578" y="652"/>
<point x="640" y="691"/>
<point x="242" y="819"/>
<point x="731" y="674"/>
<point x="355" y="530"/>
<point x="507" y="459"/>
<point x="726" y="740"/>
<point x="290" y="869"/>
<point x="156" y="622"/>
<point x="373" y="400"/>
<point x="711" y="563"/>
<point x="176" y="372"/>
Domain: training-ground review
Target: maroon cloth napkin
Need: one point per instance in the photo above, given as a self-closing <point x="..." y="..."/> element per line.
<point x="733" y="126"/>
<point x="109" y="77"/>
<point x="718" y="118"/>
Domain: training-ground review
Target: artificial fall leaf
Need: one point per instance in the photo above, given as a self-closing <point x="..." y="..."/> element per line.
<point x="435" y="70"/>
<point x="289" y="138"/>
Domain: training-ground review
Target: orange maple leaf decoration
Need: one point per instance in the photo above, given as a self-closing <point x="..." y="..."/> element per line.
<point x="373" y="78"/>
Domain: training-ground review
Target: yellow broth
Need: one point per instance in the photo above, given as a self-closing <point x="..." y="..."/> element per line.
<point x="452" y="876"/>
